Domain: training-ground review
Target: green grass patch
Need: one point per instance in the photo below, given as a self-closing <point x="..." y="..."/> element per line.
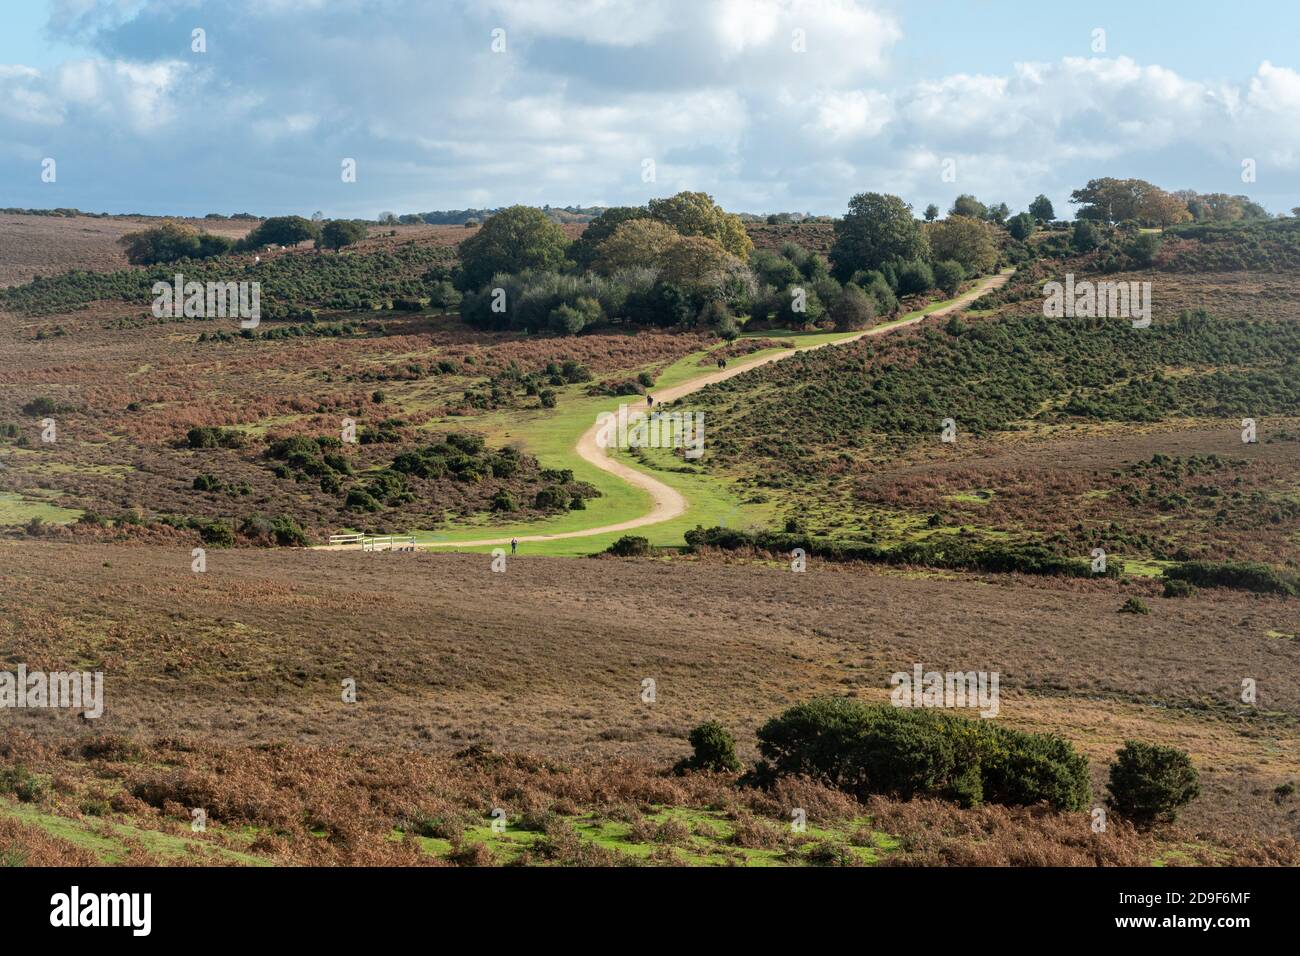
<point x="16" y="508"/>
<point x="709" y="841"/>
<point x="108" y="840"/>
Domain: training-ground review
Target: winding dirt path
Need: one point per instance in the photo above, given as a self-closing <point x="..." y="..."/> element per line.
<point x="668" y="503"/>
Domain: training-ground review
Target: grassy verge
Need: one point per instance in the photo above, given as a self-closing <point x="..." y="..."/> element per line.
<point x="110" y="841"/>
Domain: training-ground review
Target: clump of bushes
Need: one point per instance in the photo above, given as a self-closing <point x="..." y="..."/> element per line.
<point x="1178" y="588"/>
<point x="713" y="748"/>
<point x="465" y="457"/>
<point x="1134" y="605"/>
<point x="41" y="406"/>
<point x="552" y="498"/>
<point x="1149" y="783"/>
<point x="22" y="783"/>
<point x="1241" y="575"/>
<point x="630" y="546"/>
<point x="283" y="531"/>
<point x="950" y="553"/>
<point x="218" y="534"/>
<point x="569" y="372"/>
<point x="172" y="241"/>
<point x="212" y="436"/>
<point x="208" y="482"/>
<point x="906" y="752"/>
<point x="462" y="456"/>
<point x="301" y="455"/>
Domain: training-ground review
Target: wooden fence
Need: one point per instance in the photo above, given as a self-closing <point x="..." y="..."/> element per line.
<point x="386" y="542"/>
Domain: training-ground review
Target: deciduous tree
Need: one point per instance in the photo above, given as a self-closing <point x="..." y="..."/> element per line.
<point x="964" y="240"/>
<point x="878" y="228"/>
<point x="514" y="240"/>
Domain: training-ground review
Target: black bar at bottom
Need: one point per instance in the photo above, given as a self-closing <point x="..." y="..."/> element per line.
<point x="304" y="905"/>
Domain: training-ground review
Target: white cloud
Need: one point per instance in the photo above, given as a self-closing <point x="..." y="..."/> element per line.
<point x="135" y="95"/>
<point x="612" y="22"/>
<point x="715" y="92"/>
<point x="22" y="100"/>
<point x="849" y="115"/>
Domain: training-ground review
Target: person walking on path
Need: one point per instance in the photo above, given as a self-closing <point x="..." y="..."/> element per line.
<point x="514" y="545"/>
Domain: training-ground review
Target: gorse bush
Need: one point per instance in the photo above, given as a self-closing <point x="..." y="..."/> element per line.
<point x="1134" y="605"/>
<point x="288" y="533"/>
<point x="944" y="552"/>
<point x="1177" y="588"/>
<point x="1240" y="575"/>
<point x="218" y="534"/>
<point x="40" y="406"/>
<point x="713" y="748"/>
<point x="1258" y="245"/>
<point x="1149" y="783"/>
<point x="22" y="783"/>
<point x="630" y="546"/>
<point x="290" y="283"/>
<point x="904" y="752"/>
<point x="1002" y="374"/>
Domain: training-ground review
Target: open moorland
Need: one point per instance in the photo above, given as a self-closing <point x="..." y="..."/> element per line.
<point x="906" y="462"/>
<point x="247" y="661"/>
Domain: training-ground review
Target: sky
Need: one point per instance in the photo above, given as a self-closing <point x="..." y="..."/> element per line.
<point x="768" y="105"/>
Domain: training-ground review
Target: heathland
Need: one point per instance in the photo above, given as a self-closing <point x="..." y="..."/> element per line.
<point x="949" y="479"/>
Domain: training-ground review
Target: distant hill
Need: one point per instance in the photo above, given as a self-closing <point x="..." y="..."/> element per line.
<point x="458" y="217"/>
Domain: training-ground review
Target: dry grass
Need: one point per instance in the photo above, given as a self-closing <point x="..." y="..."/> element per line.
<point x="549" y="657"/>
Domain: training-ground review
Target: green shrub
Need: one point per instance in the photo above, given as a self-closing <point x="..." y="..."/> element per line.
<point x="552" y="498"/>
<point x="40" y="407"/>
<point x="210" y="436"/>
<point x="288" y="533"/>
<point x="948" y="276"/>
<point x="22" y="783"/>
<point x="470" y="443"/>
<point x="920" y="752"/>
<point x="814" y="739"/>
<point x="1178" y="588"/>
<point x="832" y="853"/>
<point x="218" y="534"/>
<point x="713" y="748"/>
<point x="915" y="277"/>
<point x="1134" y="605"/>
<point x="1142" y="250"/>
<point x="934" y="553"/>
<point x="1241" y="575"/>
<point x="359" y="499"/>
<point x="853" y="310"/>
<point x="1148" y="783"/>
<point x="575" y="372"/>
<point x="207" y="482"/>
<point x="630" y="546"/>
<point x="908" y="752"/>
<point x="1020" y="769"/>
